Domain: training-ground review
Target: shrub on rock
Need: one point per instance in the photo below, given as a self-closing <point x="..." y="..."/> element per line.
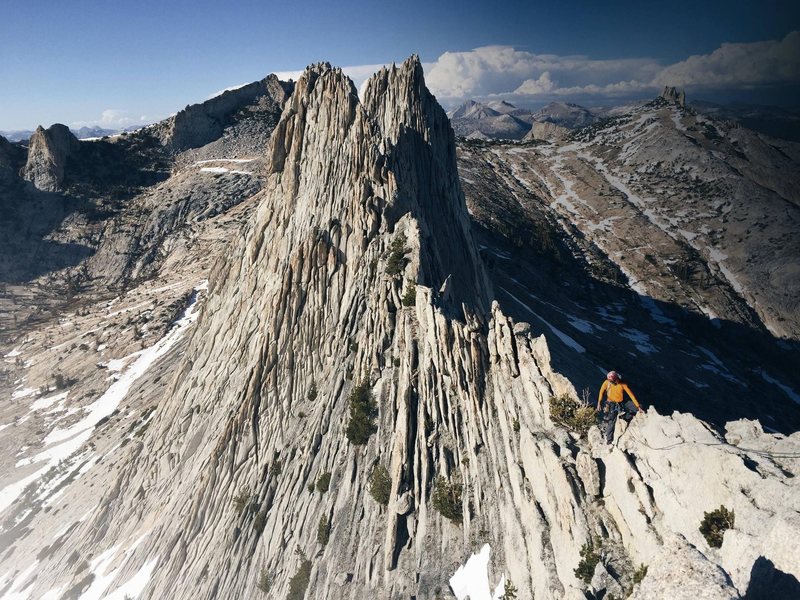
<point x="714" y="525"/>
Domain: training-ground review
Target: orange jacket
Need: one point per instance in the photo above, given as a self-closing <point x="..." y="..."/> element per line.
<point x="614" y="393"/>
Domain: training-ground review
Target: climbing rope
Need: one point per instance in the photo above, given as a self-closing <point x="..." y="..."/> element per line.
<point x="681" y="443"/>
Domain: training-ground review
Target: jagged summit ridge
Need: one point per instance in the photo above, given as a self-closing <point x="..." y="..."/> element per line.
<point x="422" y="154"/>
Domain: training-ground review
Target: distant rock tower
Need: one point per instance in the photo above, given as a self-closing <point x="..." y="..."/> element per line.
<point x="48" y="151"/>
<point x="672" y="95"/>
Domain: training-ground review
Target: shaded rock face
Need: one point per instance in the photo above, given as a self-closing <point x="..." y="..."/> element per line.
<point x="501" y="120"/>
<point x="48" y="151"/>
<point x="199" y="124"/>
<point x="10" y="158"/>
<point x="136" y="243"/>
<point x="657" y="226"/>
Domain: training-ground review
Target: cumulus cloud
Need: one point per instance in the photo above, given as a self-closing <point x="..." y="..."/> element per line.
<point x="543" y="85"/>
<point x="484" y="71"/>
<point x="750" y="65"/>
<point x="497" y="70"/>
<point x="492" y="71"/>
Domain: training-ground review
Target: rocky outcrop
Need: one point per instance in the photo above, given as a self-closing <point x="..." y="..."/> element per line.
<point x="199" y="124"/>
<point x="682" y="571"/>
<point x="204" y="181"/>
<point x="674" y="96"/>
<point x="546" y="131"/>
<point x="48" y="151"/>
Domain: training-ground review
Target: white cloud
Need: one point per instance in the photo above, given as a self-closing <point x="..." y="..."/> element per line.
<point x="287" y="75"/>
<point x="493" y="70"/>
<point x="543" y="85"/>
<point x="113" y="118"/>
<point x="739" y="65"/>
<point x="504" y="71"/>
<point x="507" y="72"/>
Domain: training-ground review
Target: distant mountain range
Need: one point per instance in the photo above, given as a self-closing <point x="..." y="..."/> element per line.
<point x="84" y="133"/>
<point x="499" y="119"/>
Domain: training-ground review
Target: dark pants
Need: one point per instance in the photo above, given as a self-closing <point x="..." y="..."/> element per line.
<point x="627" y="410"/>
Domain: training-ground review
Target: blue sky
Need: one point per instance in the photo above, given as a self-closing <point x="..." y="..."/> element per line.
<point x="119" y="63"/>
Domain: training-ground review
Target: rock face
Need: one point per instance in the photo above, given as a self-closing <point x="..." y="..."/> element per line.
<point x="249" y="460"/>
<point x="9" y="159"/>
<point x="683" y="572"/>
<point x="48" y="151"/>
<point x="501" y="120"/>
<point x="199" y="124"/>
<point x="546" y="131"/>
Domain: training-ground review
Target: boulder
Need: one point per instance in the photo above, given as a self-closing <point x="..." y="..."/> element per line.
<point x="682" y="572"/>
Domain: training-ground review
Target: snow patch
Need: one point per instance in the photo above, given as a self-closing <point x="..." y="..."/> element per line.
<point x="74" y="437"/>
<point x="697" y="384"/>
<point x="101" y="580"/>
<point x="224" y="170"/>
<point x="640" y="339"/>
<point x="55" y="593"/>
<point x="15" y="591"/>
<point x="134" y="587"/>
<point x="607" y="316"/>
<point x="230" y="160"/>
<point x="104" y="577"/>
<point x="43" y="403"/>
<point x="581" y="325"/>
<point x="719" y="258"/>
<point x="567" y="340"/>
<point x="472" y="579"/>
<point x="12" y="491"/>
<point x="655" y="312"/>
<point x="786" y="389"/>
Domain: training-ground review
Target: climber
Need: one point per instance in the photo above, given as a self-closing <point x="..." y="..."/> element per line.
<point x="615" y="403"/>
